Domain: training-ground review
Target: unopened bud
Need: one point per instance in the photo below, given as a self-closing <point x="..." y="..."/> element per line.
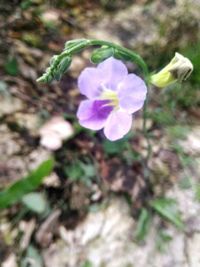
<point x="179" y="69"/>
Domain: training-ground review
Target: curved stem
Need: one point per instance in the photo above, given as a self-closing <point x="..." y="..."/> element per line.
<point x="132" y="56"/>
<point x="95" y="42"/>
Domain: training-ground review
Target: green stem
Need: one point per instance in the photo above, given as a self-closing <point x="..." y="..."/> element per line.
<point x="132" y="56"/>
<point x="74" y="49"/>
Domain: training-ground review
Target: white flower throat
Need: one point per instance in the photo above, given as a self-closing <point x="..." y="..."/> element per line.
<point x="108" y="94"/>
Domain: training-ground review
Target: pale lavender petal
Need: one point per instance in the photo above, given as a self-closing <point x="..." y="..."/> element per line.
<point x="92" y="114"/>
<point x="89" y="82"/>
<point x="114" y="71"/>
<point x="132" y="93"/>
<point x="117" y="125"/>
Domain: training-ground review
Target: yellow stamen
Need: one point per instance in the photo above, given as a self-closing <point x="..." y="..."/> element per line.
<point x="111" y="96"/>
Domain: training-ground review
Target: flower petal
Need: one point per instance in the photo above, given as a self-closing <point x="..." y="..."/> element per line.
<point x="117" y="125"/>
<point x="92" y="114"/>
<point x="132" y="93"/>
<point x="113" y="71"/>
<point x="89" y="82"/>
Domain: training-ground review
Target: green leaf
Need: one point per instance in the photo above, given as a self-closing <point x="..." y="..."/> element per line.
<point x="35" y="202"/>
<point x="197" y="192"/>
<point x="101" y="54"/>
<point x="11" y="66"/>
<point x="162" y="239"/>
<point x="88" y="169"/>
<point x="116" y="147"/>
<point x="75" y="172"/>
<point x="26" y="185"/>
<point x="143" y="225"/>
<point x="167" y="208"/>
<point x="26" y="4"/>
<point x="32" y="258"/>
<point x="185" y="183"/>
<point x="80" y="171"/>
<point x="87" y="263"/>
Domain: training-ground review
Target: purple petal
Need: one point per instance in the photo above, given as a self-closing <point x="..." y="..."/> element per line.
<point x="132" y="93"/>
<point x="93" y="114"/>
<point x="117" y="125"/>
<point x="113" y="71"/>
<point x="89" y="82"/>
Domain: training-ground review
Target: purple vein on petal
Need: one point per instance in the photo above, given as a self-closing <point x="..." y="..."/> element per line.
<point x="92" y="114"/>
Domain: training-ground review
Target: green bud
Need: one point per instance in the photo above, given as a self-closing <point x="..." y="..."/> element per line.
<point x="64" y="65"/>
<point x="73" y="43"/>
<point x="101" y="54"/>
<point x="179" y="69"/>
<point x="53" y="59"/>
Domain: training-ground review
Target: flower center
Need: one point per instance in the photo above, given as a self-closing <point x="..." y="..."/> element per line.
<point x="110" y="95"/>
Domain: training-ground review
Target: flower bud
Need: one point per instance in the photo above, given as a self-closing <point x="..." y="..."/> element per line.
<point x="179" y="69"/>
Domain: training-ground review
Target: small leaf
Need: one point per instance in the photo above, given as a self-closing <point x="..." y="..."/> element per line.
<point x="53" y="59"/>
<point x="162" y="239"/>
<point x="143" y="225"/>
<point x="35" y="202"/>
<point x="88" y="169"/>
<point x="87" y="263"/>
<point x="18" y="189"/>
<point x="167" y="208"/>
<point x="11" y="66"/>
<point x="197" y="192"/>
<point x="185" y="183"/>
<point x="101" y="54"/>
<point x="75" y="172"/>
<point x="116" y="147"/>
<point x="32" y="258"/>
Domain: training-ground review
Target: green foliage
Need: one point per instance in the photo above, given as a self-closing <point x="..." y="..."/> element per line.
<point x="178" y="131"/>
<point x="79" y="171"/>
<point x="112" y="148"/>
<point x="11" y="66"/>
<point x="55" y="70"/>
<point x="87" y="263"/>
<point x="73" y="44"/>
<point x="192" y="52"/>
<point x="26" y="185"/>
<point x="143" y="225"/>
<point x="185" y="183"/>
<point x="35" y="202"/>
<point x="32" y="258"/>
<point x="64" y="65"/>
<point x="161" y="116"/>
<point x="32" y="39"/>
<point x="162" y="240"/>
<point x="197" y="192"/>
<point x="167" y="208"/>
<point x="74" y="171"/>
<point x="182" y="95"/>
<point x="26" y="4"/>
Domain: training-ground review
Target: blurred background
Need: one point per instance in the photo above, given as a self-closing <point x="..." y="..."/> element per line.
<point x="97" y="205"/>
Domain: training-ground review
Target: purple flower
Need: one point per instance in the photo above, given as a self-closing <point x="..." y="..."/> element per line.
<point x="113" y="96"/>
